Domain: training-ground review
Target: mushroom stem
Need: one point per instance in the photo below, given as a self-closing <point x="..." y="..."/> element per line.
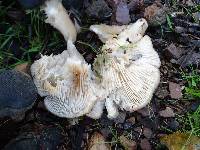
<point x="58" y="17"/>
<point x="111" y="108"/>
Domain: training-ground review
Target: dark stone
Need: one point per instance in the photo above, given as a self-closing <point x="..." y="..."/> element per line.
<point x="72" y="4"/>
<point x="17" y="93"/>
<point x="48" y="138"/>
<point x="122" y="13"/>
<point x="145" y="144"/>
<point x="189" y="59"/>
<point x="105" y="132"/>
<point x="128" y="125"/>
<point x="194" y="106"/>
<point x="173" y="124"/>
<point x="175" y="90"/>
<point x="162" y="91"/>
<point x="28" y="4"/>
<point x="76" y="136"/>
<point x="105" y="122"/>
<point x="46" y="117"/>
<point x="97" y="9"/>
<point x="173" y="52"/>
<point x="147" y="133"/>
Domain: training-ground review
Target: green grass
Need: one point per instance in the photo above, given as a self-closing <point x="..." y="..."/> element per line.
<point x="192" y="89"/>
<point x="191" y="121"/>
<point x="33" y="31"/>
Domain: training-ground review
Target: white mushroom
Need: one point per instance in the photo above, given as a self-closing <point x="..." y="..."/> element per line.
<point x="129" y="72"/>
<point x="65" y="79"/>
<point x="125" y="74"/>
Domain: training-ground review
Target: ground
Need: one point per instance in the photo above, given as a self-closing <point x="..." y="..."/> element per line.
<point x="175" y="107"/>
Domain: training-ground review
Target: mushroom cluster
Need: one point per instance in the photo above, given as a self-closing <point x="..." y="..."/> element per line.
<point x="124" y="75"/>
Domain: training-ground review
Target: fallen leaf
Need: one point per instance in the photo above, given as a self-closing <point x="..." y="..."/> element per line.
<point x="180" y="141"/>
<point x="23" y="68"/>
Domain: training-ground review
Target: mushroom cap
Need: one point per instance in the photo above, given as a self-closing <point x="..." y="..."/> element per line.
<point x="67" y="81"/>
<point x="17" y="93"/>
<point x="131" y="72"/>
<point x="133" y="32"/>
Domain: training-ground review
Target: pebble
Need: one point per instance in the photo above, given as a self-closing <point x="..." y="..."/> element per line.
<point x="105" y="132"/>
<point x="173" y="124"/>
<point x="127" y="125"/>
<point x="138" y="129"/>
<point x="128" y="144"/>
<point x="144" y="111"/>
<point x="131" y="120"/>
<point x="145" y="144"/>
<point x="194" y="106"/>
<point x="122" y="13"/>
<point x="155" y="14"/>
<point x="97" y="9"/>
<point x="162" y="92"/>
<point x="175" y="90"/>
<point x="168" y="112"/>
<point x="147" y="133"/>
<point x="120" y="118"/>
<point x="173" y="52"/>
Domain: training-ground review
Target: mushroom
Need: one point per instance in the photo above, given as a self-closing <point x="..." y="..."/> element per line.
<point x="128" y="68"/>
<point x="67" y="82"/>
<point x="124" y="75"/>
<point x="65" y="79"/>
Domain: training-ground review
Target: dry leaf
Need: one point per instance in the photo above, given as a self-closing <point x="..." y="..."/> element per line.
<point x="181" y="141"/>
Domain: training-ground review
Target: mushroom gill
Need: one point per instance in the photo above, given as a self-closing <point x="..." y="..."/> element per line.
<point x="131" y="73"/>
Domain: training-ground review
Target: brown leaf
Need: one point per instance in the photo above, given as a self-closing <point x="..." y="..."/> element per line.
<point x="97" y="142"/>
<point x="25" y="68"/>
<point x="179" y="141"/>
